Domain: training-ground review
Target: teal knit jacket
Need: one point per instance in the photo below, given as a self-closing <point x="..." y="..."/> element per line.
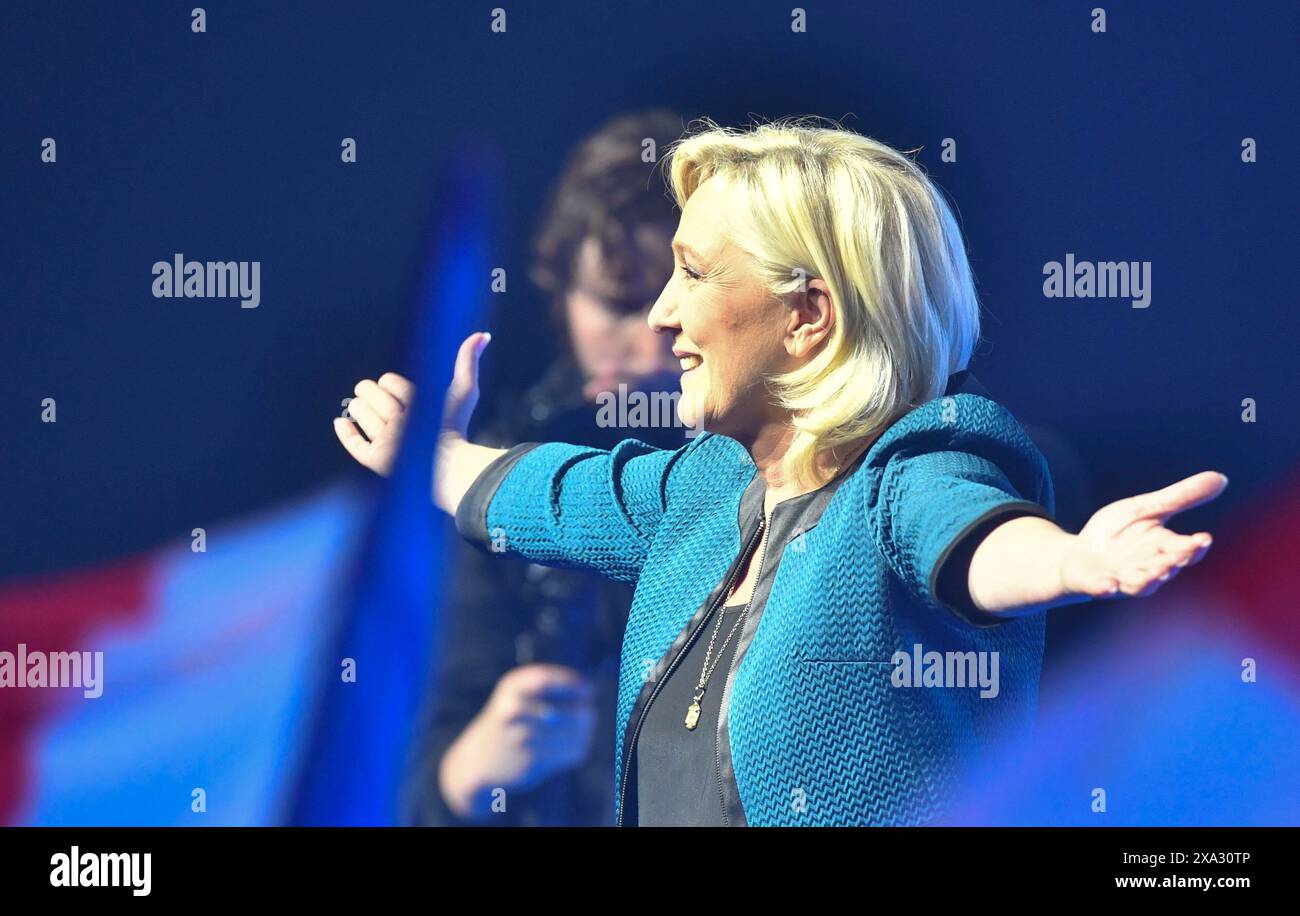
<point x="815" y="731"/>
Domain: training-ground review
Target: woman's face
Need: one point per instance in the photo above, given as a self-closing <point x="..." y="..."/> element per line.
<point x="727" y="329"/>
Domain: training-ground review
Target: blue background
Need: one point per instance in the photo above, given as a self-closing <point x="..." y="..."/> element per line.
<point x="225" y="145"/>
<point x="183" y="413"/>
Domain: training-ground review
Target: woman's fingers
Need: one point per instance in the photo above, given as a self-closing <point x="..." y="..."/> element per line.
<point x="1136" y="566"/>
<point x="1177" y="549"/>
<point x="462" y="393"/>
<point x="352" y="440"/>
<point x="1187" y="493"/>
<point x="380" y="408"/>
<point x="380" y="401"/>
<point x="1164" y="557"/>
<point x="1194" y="547"/>
<point x="380" y="411"/>
<point x="465" y="375"/>
<point x="367" y="418"/>
<point x="399" y="387"/>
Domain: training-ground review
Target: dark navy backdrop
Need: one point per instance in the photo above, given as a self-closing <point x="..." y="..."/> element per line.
<point x="174" y="413"/>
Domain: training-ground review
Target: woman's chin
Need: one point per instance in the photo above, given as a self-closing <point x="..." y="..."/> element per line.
<point x="688" y="409"/>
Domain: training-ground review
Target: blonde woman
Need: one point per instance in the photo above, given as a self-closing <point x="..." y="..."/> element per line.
<point x="855" y="501"/>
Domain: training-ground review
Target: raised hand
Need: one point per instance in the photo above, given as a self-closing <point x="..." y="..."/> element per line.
<point x="380" y="409"/>
<point x="1125" y="548"/>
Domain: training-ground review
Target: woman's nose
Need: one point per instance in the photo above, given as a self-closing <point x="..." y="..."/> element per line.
<point x="662" y="315"/>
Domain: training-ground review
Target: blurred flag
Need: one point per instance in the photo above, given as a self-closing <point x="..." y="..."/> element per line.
<point x="365" y="730"/>
<point x="277" y="676"/>
<point x="211" y="661"/>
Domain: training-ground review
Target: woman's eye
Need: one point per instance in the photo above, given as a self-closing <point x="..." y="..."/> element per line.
<point x="694" y="275"/>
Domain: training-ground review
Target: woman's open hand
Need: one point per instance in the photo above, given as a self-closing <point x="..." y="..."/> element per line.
<point x="380" y="409"/>
<point x="1125" y="549"/>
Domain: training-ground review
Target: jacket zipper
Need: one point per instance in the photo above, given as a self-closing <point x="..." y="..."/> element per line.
<point x="690" y="640"/>
<point x="731" y="670"/>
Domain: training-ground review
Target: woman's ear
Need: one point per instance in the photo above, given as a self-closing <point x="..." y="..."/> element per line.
<point x="812" y="316"/>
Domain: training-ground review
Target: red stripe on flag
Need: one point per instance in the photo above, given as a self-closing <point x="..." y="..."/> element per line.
<point x="56" y="614"/>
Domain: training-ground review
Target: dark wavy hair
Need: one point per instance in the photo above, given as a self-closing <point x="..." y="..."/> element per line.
<point x="605" y="192"/>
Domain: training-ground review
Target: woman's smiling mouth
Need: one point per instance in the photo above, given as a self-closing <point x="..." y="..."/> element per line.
<point x="687" y="359"/>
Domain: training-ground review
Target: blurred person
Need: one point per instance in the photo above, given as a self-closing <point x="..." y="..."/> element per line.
<point x="523" y="696"/>
<point x="853" y="489"/>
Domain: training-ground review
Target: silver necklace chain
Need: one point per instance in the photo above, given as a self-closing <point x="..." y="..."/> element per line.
<point x="707" y="670"/>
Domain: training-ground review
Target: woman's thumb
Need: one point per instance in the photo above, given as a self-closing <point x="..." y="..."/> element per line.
<point x="465" y="375"/>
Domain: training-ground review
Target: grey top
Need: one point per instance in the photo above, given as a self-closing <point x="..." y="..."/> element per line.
<point x="678" y="780"/>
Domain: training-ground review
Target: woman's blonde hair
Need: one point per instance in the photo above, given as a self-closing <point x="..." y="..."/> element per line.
<point x="832" y="204"/>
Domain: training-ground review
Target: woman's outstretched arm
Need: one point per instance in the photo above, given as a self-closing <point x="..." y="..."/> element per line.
<point x="381" y="407"/>
<point x="1029" y="564"/>
<point x="557" y="504"/>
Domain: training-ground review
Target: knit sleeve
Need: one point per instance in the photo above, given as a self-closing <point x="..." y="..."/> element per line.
<point x="572" y="506"/>
<point x="951" y="468"/>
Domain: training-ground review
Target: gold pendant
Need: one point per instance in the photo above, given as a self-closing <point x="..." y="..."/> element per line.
<point x="693" y="716"/>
